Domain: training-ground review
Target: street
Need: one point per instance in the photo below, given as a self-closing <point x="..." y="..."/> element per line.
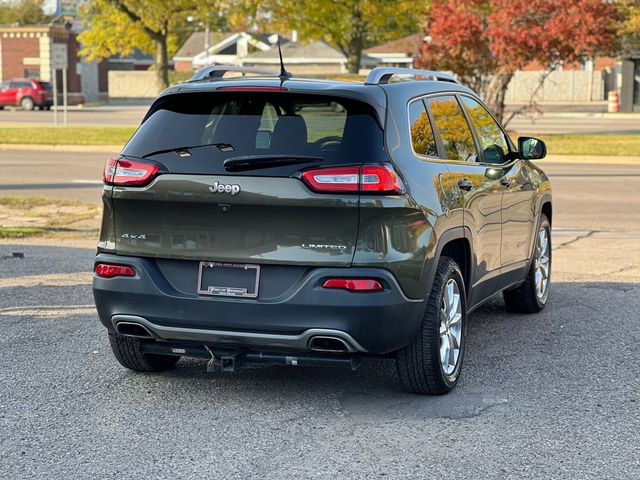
<point x="552" y="395"/>
<point x="550" y="121"/>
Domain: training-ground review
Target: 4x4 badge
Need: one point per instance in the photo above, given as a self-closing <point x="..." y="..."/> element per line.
<point x="217" y="187"/>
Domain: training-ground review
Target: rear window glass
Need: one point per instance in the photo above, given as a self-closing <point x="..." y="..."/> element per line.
<point x="231" y="124"/>
<point x="46" y="85"/>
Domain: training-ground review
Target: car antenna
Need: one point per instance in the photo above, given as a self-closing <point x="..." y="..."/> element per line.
<point x="284" y="75"/>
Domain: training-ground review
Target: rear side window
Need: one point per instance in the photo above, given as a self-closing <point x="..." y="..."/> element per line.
<point x="491" y="137"/>
<point x="219" y="125"/>
<point x="422" y="138"/>
<point x="456" y="136"/>
<point x="21" y="85"/>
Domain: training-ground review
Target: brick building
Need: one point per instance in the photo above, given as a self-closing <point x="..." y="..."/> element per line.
<point x="26" y="51"/>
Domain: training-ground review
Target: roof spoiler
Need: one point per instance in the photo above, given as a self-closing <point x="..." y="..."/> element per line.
<point x="382" y="75"/>
<point x="216" y="72"/>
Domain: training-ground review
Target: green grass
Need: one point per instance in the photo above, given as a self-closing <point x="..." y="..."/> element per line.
<point x="20" y="232"/>
<point x="48" y="135"/>
<point x="592" y="144"/>
<point x="28" y="202"/>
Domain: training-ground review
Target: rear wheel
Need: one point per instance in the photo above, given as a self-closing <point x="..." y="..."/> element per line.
<point x="27" y="103"/>
<point x="127" y="352"/>
<point x="532" y="295"/>
<point x="431" y="363"/>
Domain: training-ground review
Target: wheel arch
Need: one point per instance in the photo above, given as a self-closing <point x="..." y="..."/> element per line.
<point x="547" y="209"/>
<point x="453" y="243"/>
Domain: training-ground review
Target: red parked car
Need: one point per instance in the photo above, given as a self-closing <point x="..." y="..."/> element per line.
<point x="27" y="93"/>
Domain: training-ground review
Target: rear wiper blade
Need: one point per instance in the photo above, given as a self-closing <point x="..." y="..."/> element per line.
<point x="250" y="162"/>
<point x="222" y="147"/>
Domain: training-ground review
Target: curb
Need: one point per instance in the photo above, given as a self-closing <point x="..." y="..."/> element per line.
<point x="589" y="159"/>
<point x="113" y="149"/>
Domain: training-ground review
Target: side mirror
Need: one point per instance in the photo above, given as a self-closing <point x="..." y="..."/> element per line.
<point x="531" y="148"/>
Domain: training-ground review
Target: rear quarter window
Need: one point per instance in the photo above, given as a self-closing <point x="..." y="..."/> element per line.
<point x="422" y="138"/>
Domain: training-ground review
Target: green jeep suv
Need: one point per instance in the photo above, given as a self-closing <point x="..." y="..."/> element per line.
<point x="262" y="220"/>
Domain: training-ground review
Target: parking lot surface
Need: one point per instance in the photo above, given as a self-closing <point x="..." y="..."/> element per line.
<point x="554" y="395"/>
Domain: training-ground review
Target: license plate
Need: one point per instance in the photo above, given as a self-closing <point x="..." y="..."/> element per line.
<point x="228" y="279"/>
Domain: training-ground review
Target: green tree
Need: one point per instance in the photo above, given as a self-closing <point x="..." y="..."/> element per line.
<point x="630" y="28"/>
<point x="350" y="25"/>
<point x="118" y="27"/>
<point x="23" y="12"/>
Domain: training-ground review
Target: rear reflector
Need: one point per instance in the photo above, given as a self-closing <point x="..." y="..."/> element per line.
<point x="369" y="178"/>
<point x="354" y="284"/>
<point x="128" y="172"/>
<point x="110" y="270"/>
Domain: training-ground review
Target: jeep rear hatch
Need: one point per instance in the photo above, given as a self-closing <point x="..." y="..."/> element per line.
<point x="248" y="176"/>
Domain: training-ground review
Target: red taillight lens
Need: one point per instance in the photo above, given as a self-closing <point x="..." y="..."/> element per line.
<point x="110" y="270"/>
<point x="370" y="178"/>
<point x="354" y="284"/>
<point x="342" y="179"/>
<point x="380" y="178"/>
<point x="128" y="172"/>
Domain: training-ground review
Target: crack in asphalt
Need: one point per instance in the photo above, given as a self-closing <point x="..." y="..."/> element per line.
<point x="579" y="237"/>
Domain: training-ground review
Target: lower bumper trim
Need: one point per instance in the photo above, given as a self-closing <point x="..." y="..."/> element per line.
<point x="249" y="339"/>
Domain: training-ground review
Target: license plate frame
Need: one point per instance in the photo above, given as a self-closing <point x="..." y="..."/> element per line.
<point x="251" y="291"/>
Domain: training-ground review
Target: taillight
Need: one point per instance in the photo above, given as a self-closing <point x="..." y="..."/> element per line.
<point x="128" y="172"/>
<point x="354" y="284"/>
<point x="110" y="270"/>
<point x="342" y="179"/>
<point x="368" y="178"/>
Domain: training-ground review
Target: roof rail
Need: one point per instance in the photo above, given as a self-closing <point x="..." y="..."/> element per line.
<point x="381" y="75"/>
<point x="216" y="72"/>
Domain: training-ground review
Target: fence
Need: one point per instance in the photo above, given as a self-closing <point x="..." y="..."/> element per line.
<point x="572" y="86"/>
<point x="133" y="84"/>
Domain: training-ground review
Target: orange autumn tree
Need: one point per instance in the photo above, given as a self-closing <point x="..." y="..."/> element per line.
<point x="485" y="42"/>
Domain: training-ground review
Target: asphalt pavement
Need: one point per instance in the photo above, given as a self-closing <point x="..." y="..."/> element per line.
<point x="551" y="121"/>
<point x="551" y="396"/>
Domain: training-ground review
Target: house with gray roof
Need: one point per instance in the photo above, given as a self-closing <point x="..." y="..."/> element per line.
<point x="303" y="58"/>
<point x="228" y="48"/>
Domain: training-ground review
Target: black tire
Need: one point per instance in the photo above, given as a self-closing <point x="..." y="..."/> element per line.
<point x="418" y="364"/>
<point x="525" y="298"/>
<point x="27" y="104"/>
<point x="127" y="352"/>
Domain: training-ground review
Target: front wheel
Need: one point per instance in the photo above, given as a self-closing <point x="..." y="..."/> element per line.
<point x="532" y="295"/>
<point x="431" y="363"/>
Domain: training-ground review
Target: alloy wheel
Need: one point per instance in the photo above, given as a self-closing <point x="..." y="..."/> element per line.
<point x="450" y="327"/>
<point x="542" y="263"/>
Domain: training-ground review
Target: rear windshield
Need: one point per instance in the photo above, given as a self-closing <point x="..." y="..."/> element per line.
<point x="219" y="125"/>
<point x="46" y="85"/>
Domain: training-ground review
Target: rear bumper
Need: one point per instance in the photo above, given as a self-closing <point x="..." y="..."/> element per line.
<point x="376" y="323"/>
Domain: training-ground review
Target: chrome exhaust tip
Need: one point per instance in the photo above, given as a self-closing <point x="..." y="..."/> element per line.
<point x="329" y="345"/>
<point x="131" y="329"/>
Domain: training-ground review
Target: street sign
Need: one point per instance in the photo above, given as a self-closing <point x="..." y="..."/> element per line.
<point x="67" y="8"/>
<point x="59" y="56"/>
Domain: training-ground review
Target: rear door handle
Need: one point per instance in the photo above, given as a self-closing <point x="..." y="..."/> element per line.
<point x="465" y="184"/>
